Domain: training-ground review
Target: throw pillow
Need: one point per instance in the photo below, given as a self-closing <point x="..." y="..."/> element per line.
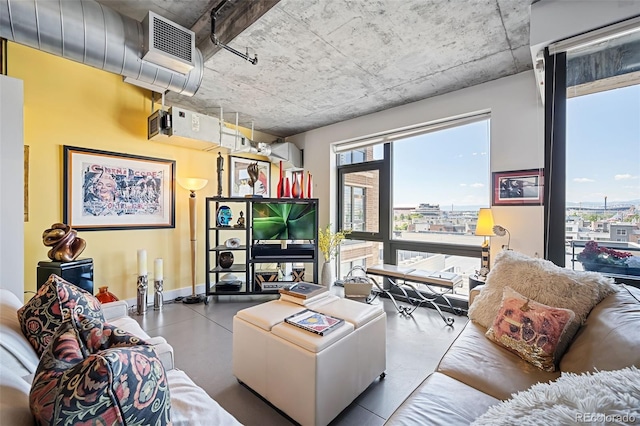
<point x="56" y="301"/>
<point x="95" y="373"/>
<point x="542" y="281"/>
<point x="537" y="333"/>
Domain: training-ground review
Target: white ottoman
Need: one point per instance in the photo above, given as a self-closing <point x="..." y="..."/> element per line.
<point x="311" y="378"/>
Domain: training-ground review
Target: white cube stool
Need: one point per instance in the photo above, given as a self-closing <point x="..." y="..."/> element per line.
<point x="309" y="377"/>
<point x="251" y="331"/>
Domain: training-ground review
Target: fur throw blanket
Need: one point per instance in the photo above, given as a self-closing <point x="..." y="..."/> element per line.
<point x="605" y="397"/>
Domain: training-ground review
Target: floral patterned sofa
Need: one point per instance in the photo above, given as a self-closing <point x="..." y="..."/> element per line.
<point x="97" y="364"/>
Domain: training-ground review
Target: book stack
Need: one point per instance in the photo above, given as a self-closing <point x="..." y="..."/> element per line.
<point x="303" y="293"/>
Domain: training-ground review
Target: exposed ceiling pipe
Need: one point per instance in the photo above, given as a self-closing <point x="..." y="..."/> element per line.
<point x="90" y="33"/>
<point x="216" y="41"/>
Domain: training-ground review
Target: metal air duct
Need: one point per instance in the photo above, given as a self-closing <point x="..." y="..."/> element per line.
<point x="87" y="32"/>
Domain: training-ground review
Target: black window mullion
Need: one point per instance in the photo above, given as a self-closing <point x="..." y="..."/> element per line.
<point x="555" y="163"/>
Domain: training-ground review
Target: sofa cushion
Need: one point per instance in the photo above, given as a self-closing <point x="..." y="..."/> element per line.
<point x="542" y="281"/>
<point x="14" y="398"/>
<point x="191" y="405"/>
<point x="478" y="362"/>
<point x="16" y="353"/>
<point x="56" y="301"/>
<point x="441" y="400"/>
<point x="94" y="371"/>
<point x="609" y="338"/>
<point x="537" y="333"/>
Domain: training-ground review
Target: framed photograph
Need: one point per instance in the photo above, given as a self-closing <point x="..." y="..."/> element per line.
<point x="518" y="188"/>
<point x="107" y="190"/>
<point x="239" y="178"/>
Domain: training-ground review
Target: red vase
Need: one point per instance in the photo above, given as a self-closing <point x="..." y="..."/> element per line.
<point x="309" y="186"/>
<point x="287" y="188"/>
<point x="105" y="296"/>
<point x="295" y="188"/>
<point x="280" y="189"/>
<point x="302" y="184"/>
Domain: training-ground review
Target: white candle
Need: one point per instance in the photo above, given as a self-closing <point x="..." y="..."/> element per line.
<point x="142" y="262"/>
<point x="157" y="269"/>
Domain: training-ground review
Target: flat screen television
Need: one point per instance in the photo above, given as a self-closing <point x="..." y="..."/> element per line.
<point x="284" y="220"/>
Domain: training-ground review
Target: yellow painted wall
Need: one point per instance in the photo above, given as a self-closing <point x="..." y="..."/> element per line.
<point x="67" y="103"/>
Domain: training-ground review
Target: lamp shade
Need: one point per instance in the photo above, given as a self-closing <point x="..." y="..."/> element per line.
<point x="193" y="184"/>
<point x="484" y="227"/>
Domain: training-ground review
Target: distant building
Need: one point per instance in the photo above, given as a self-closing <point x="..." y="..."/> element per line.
<point x="427" y="210"/>
<point x="622" y="231"/>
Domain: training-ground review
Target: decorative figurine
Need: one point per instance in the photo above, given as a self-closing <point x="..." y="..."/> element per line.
<point x="220" y="163"/>
<point x="224" y="216"/>
<point x="66" y="245"/>
<point x="240" y="223"/>
<point x="254" y="175"/>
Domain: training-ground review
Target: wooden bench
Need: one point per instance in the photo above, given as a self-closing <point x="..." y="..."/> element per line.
<point x="401" y="276"/>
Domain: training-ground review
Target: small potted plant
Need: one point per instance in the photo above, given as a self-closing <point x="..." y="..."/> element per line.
<point x="329" y="245"/>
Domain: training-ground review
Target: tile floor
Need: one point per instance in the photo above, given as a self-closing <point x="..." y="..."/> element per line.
<point x="201" y="336"/>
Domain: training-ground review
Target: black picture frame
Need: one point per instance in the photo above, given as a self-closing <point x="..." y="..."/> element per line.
<point x="105" y="190"/>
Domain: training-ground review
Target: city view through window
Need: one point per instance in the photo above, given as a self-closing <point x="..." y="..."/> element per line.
<point x="603" y="181"/>
<point x="441" y="179"/>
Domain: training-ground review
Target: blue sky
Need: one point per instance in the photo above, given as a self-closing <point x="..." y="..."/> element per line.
<point x="603" y="157"/>
<point x="452" y="167"/>
<point x="603" y="146"/>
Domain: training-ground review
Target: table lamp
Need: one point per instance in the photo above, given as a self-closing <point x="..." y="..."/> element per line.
<point x="192" y="185"/>
<point x="484" y="228"/>
<point x="501" y="231"/>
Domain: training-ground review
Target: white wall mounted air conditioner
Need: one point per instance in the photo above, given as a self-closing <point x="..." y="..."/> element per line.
<point x="178" y="126"/>
<point x="288" y="153"/>
<point x="168" y="44"/>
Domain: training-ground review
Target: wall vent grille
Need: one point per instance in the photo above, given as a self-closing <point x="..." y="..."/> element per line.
<point x="168" y="44"/>
<point x="172" y="40"/>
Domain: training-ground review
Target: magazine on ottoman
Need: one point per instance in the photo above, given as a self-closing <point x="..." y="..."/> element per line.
<point x="314" y="322"/>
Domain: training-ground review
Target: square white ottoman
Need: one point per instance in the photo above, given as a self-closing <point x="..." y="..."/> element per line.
<point x="311" y="378"/>
<point x="251" y="331"/>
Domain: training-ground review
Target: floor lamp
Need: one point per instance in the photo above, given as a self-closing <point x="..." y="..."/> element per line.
<point x="484" y="228"/>
<point x="192" y="185"/>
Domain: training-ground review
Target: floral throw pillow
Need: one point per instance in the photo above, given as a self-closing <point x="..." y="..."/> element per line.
<point x="537" y="333"/>
<point x="95" y="373"/>
<point x="56" y="301"/>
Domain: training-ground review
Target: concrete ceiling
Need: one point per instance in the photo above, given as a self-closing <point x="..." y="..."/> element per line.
<point x="325" y="61"/>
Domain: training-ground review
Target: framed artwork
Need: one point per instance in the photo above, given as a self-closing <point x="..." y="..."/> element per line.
<point x="518" y="188"/>
<point x="239" y="178"/>
<point x="107" y="191"/>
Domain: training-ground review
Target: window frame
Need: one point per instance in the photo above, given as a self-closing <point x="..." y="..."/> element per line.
<point x="392" y="245"/>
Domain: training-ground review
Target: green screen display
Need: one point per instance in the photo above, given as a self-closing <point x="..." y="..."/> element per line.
<point x="284" y="221"/>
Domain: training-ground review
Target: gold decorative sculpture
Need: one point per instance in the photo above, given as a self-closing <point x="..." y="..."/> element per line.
<point x="65" y="245"/>
<point x="254" y="174"/>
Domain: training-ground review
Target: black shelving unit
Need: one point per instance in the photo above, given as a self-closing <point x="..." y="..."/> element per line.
<point x="246" y="264"/>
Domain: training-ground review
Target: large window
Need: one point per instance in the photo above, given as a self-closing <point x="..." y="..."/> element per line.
<point x="595" y="165"/>
<point x="407" y="205"/>
<point x="440" y="181"/>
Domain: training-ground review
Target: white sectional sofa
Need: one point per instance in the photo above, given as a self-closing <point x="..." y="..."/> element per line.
<point x="190" y="404"/>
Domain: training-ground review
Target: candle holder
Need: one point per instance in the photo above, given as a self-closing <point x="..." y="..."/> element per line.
<point x="158" y="298"/>
<point x="141" y="300"/>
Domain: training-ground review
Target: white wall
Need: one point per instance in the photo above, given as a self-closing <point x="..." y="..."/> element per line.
<point x="11" y="186"/>
<point x="517" y="143"/>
